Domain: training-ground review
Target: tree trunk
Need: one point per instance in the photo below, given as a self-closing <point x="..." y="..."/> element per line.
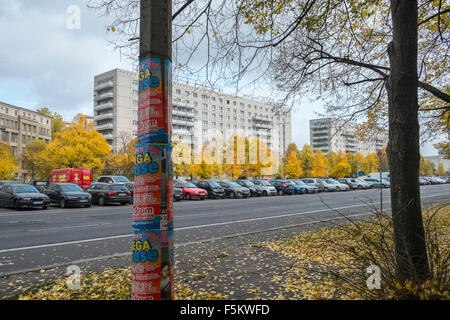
<point x="403" y="147"/>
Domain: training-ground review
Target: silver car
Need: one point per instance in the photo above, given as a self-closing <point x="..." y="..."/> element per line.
<point x="315" y="183"/>
<point x="268" y="189"/>
<point x="339" y="186"/>
<point x="354" y="183"/>
<point x="327" y="186"/>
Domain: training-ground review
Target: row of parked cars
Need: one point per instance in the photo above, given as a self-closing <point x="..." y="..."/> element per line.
<point x="118" y="189"/>
<point x="40" y="194"/>
<point x="241" y="188"/>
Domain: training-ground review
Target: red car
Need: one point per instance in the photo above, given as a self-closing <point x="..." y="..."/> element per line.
<point x="190" y="191"/>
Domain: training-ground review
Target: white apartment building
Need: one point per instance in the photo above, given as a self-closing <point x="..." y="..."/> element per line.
<point x="199" y="115"/>
<point x="329" y="134"/>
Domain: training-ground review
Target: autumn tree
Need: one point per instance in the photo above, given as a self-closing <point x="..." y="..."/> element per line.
<point x="293" y="166"/>
<point x="440" y="169"/>
<point x="373" y="163"/>
<point x="77" y="147"/>
<point x="33" y="159"/>
<point x="331" y="159"/>
<point x="122" y="163"/>
<point x="306" y="160"/>
<point x="341" y="169"/>
<point x="320" y="165"/>
<point x="8" y="164"/>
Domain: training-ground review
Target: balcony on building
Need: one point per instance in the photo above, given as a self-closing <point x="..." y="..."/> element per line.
<point x="105" y="115"/>
<point x="104" y="126"/>
<point x="184" y="122"/>
<point x="104" y="85"/>
<point x="104" y="95"/>
<point x="262" y="125"/>
<point x="104" y="105"/>
<point x="183" y="105"/>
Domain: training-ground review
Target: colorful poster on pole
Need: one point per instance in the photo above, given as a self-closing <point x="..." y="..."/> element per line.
<point x="154" y="123"/>
<point x="153" y="223"/>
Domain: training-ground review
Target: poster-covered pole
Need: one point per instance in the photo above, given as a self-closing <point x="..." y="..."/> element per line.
<point x="152" y="244"/>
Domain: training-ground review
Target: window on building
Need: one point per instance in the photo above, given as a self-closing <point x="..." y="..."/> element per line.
<point x="178" y="91"/>
<point x="195" y="95"/>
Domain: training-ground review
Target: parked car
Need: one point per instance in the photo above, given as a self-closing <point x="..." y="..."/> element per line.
<point x="328" y="186"/>
<point x="267" y="188"/>
<point x="68" y="194"/>
<point x="255" y="191"/>
<point x="298" y="189"/>
<point x="177" y="194"/>
<point x="308" y="188"/>
<point x="283" y="187"/>
<point x="215" y="191"/>
<point x="130" y="187"/>
<point x="365" y="183"/>
<point x="3" y="182"/>
<point x="41" y="185"/>
<point x="354" y="183"/>
<point x="374" y="182"/>
<point x="315" y="183"/>
<point x="79" y="176"/>
<point x="234" y="190"/>
<point x="191" y="191"/>
<point x="106" y="193"/>
<point x="113" y="179"/>
<point x="376" y="175"/>
<point x="339" y="186"/>
<point x="18" y="196"/>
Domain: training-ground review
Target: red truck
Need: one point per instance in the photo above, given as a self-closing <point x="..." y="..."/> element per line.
<point x="79" y="176"/>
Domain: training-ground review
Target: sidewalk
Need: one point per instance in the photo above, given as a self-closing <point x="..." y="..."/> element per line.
<point x="233" y="268"/>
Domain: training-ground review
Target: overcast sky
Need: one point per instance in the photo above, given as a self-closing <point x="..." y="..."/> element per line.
<point x="43" y="63"/>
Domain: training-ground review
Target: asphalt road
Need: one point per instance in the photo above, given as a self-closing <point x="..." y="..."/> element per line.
<point x="40" y="239"/>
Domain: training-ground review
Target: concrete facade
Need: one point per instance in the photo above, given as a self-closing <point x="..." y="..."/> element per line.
<point x="199" y="115"/>
<point x="329" y="134"/>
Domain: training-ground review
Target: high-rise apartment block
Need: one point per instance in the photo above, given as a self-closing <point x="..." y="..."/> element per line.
<point x="329" y="134"/>
<point x="199" y="115"/>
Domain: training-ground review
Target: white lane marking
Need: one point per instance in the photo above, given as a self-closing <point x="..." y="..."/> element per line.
<point x="65" y="243"/>
<point x="71" y="227"/>
<point x="185" y="228"/>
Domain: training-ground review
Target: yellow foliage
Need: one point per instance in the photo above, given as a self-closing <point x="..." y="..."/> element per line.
<point x="8" y="164"/>
<point x="77" y="147"/>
